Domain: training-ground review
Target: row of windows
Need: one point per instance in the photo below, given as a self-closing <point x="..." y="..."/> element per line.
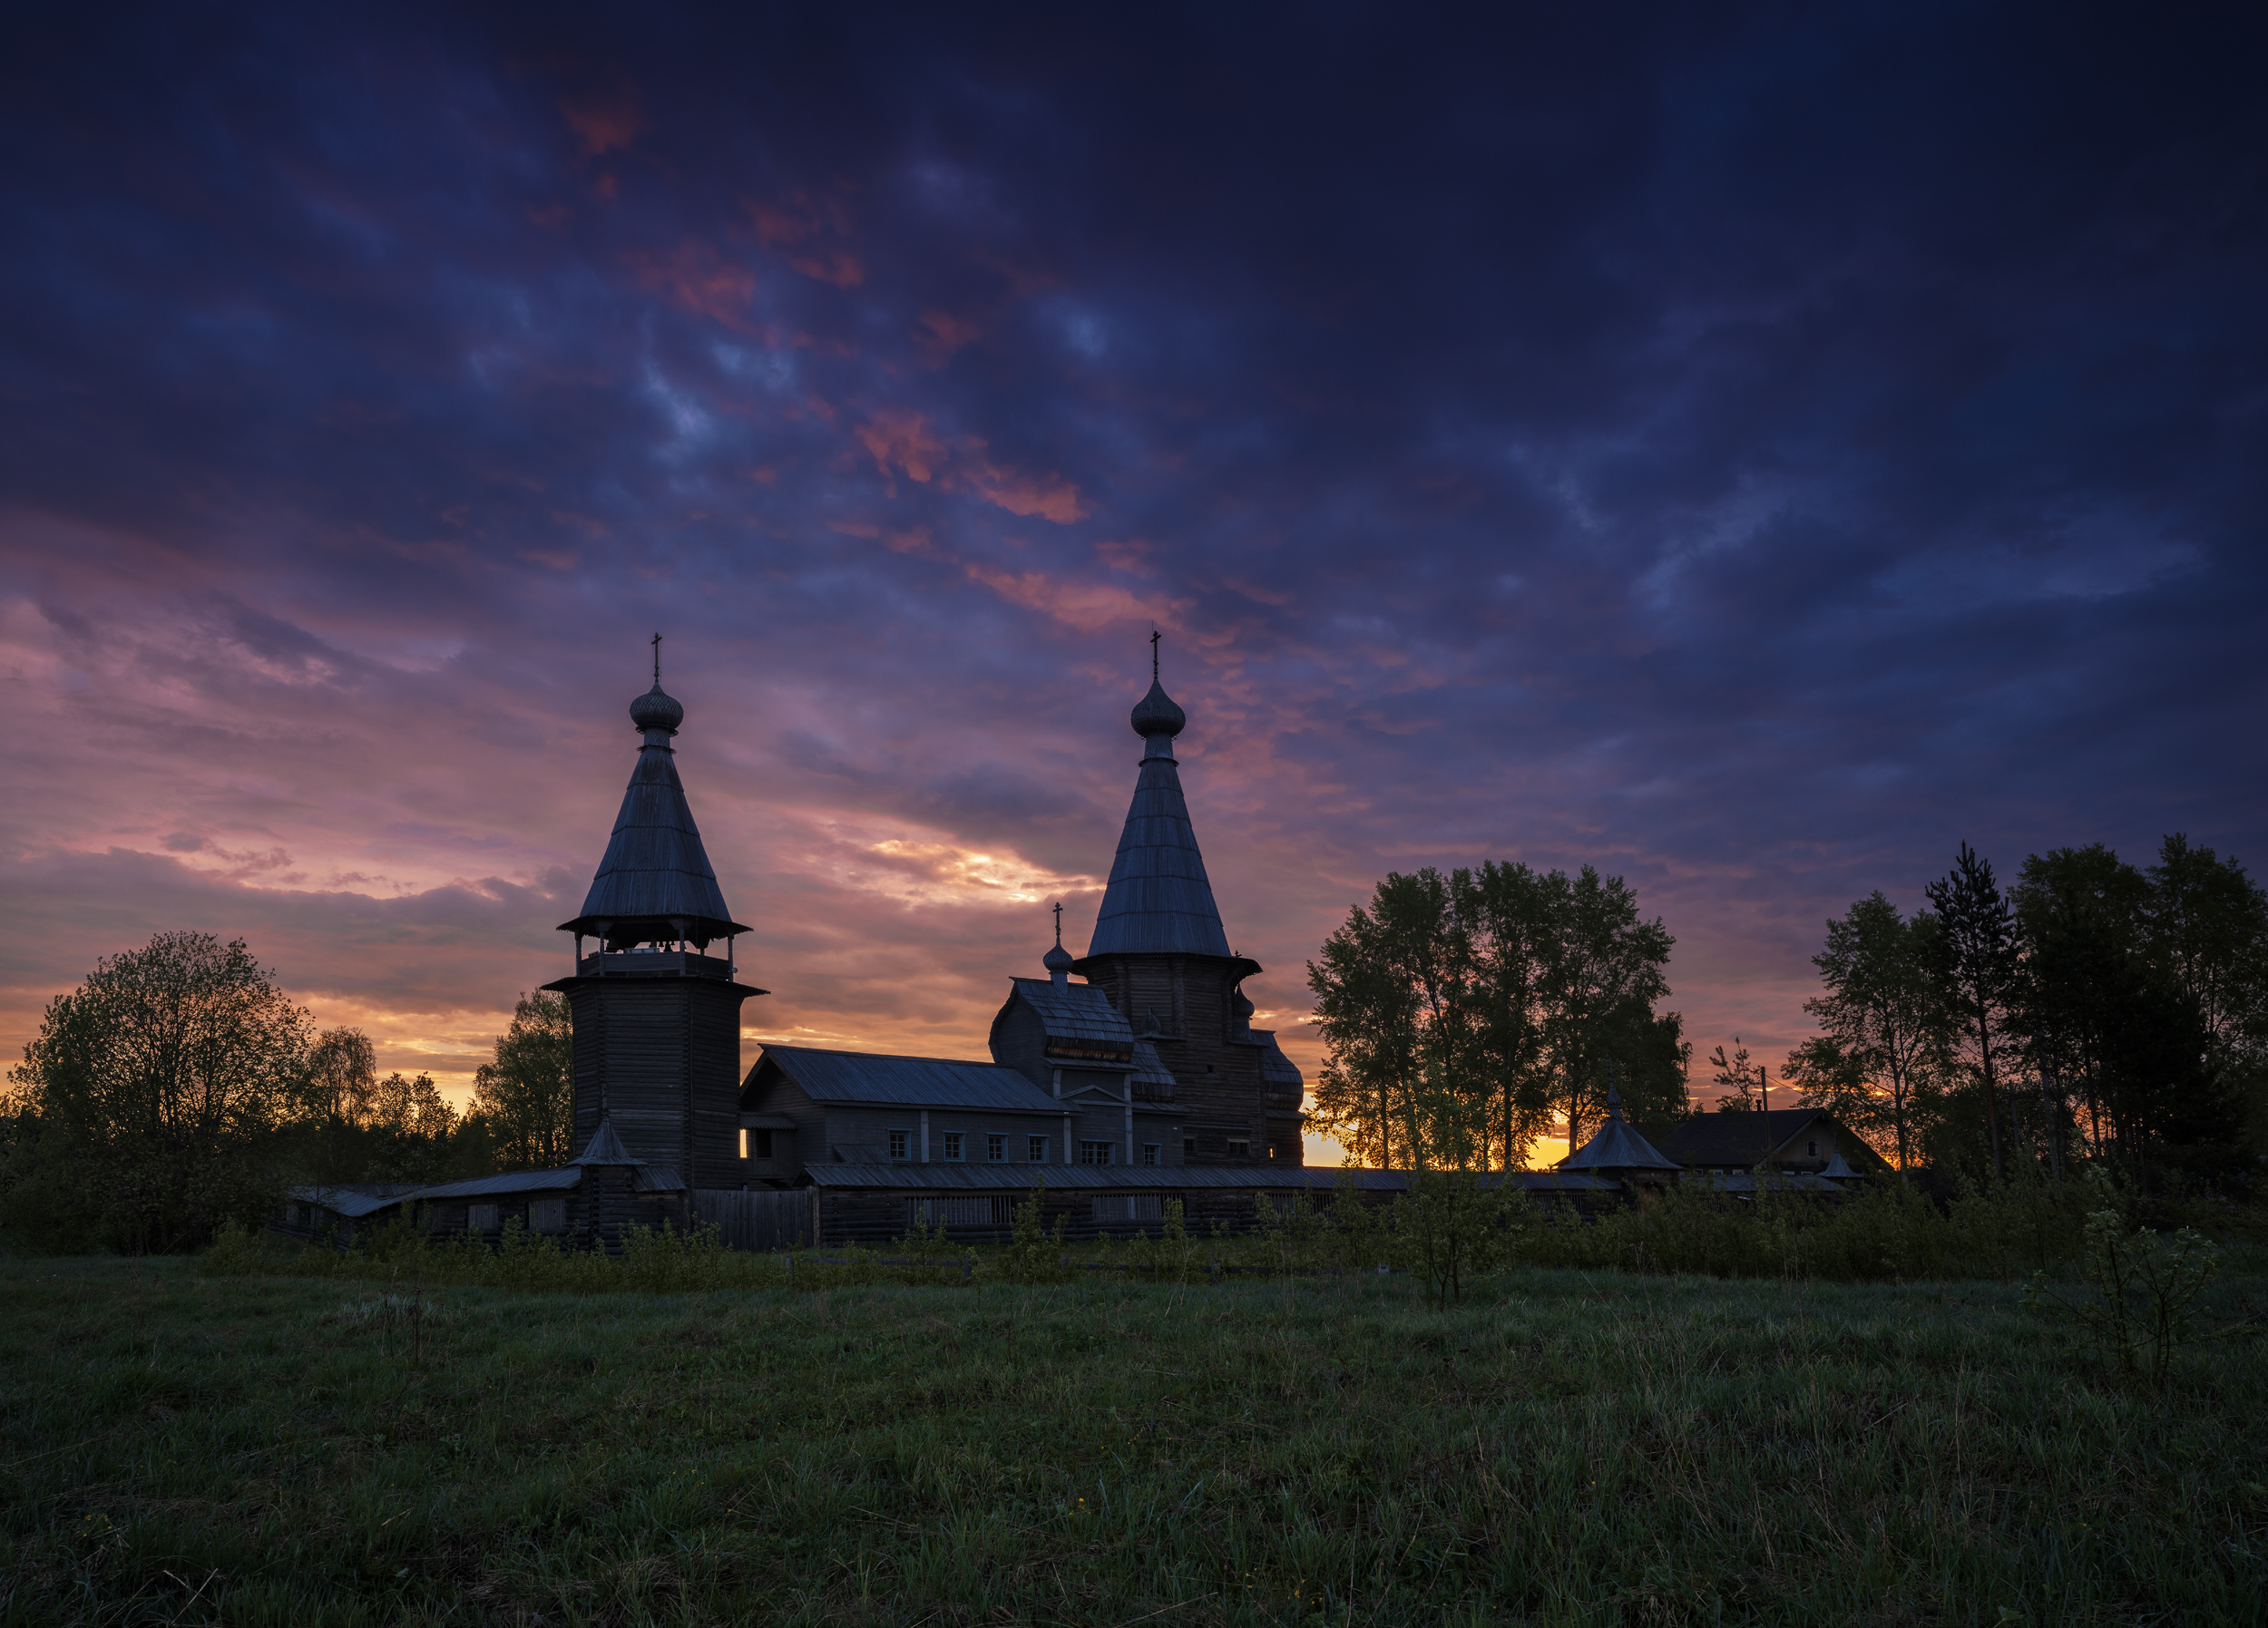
<point x="1001" y="1212"/>
<point x="955" y="1144"/>
<point x="953" y="1148"/>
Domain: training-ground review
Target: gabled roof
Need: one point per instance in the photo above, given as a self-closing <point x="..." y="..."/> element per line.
<point x="1075" y="1013"/>
<point x="1160" y="900"/>
<point x="655" y="872"/>
<point x="1733" y="1141"/>
<point x="858" y="1076"/>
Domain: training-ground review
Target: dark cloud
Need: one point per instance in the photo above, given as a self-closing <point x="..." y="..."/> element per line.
<point x="1752" y="450"/>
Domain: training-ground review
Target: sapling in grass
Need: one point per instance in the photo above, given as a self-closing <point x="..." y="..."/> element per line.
<point x="2141" y="1293"/>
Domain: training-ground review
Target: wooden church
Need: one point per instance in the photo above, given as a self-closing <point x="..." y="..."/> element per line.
<point x="1122" y="1079"/>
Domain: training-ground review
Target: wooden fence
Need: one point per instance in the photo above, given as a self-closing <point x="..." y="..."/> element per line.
<point x="767" y="1219"/>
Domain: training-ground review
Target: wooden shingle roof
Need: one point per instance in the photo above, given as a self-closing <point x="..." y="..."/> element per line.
<point x="654" y="882"/>
<point x="1158" y="901"/>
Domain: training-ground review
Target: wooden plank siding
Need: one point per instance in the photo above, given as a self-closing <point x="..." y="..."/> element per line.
<point x="761" y="1219"/>
<point x="663" y="1056"/>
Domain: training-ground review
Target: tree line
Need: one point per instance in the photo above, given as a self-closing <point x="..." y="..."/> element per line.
<point x="2090" y="1010"/>
<point x="179" y="1087"/>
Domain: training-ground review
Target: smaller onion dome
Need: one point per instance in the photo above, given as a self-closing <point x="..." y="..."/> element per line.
<point x="1058" y="962"/>
<point x="1155" y="713"/>
<point x="657" y="710"/>
<point x="1241" y="1006"/>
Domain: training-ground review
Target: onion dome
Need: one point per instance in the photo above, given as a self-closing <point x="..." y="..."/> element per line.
<point x="1058" y="962"/>
<point x="1242" y="1006"/>
<point x="1155" y="713"/>
<point x="657" y="710"/>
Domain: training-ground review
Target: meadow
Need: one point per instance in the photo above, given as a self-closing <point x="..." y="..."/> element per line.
<point x="1560" y="1445"/>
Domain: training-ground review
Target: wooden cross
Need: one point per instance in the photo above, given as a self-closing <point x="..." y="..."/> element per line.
<point x="657" y="660"/>
<point x="1058" y="923"/>
<point x="1154" y="637"/>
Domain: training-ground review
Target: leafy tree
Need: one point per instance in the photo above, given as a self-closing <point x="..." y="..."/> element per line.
<point x="2207" y="926"/>
<point x="161" y="1083"/>
<point x="1508" y="910"/>
<point x="343" y="1074"/>
<point x="527" y="1095"/>
<point x="1827" y="1076"/>
<point x="1602" y="977"/>
<point x="2133" y="994"/>
<point x="1369" y="1014"/>
<point x="1884" y="1015"/>
<point x="1453" y="1008"/>
<point x="1739" y="1081"/>
<point x="1977" y="972"/>
<point x="2080" y="911"/>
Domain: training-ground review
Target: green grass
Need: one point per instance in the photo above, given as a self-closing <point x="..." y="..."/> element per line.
<point x="1560" y="1448"/>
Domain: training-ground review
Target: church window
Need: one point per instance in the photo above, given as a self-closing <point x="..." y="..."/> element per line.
<point x="1811" y="1150"/>
<point x="1094" y="1152"/>
<point x="899" y="1141"/>
<point x="744" y="1140"/>
<point x="1153" y="1153"/>
<point x="1036" y="1150"/>
<point x="763" y="1144"/>
<point x="996" y="1149"/>
<point x="953" y="1146"/>
<point x="1240" y="1150"/>
<point x="1189" y="1147"/>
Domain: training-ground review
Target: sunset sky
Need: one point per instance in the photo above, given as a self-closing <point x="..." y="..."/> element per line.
<point x="1749" y="449"/>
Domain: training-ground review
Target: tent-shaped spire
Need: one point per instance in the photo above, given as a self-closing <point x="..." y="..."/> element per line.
<point x="655" y="882"/>
<point x="1617" y="1147"/>
<point x="1158" y="901"/>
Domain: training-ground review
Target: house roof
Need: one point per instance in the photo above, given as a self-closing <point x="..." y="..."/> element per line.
<point x="1731" y="1141"/>
<point x="1158" y="901"/>
<point x="1080" y="1013"/>
<point x="359" y="1202"/>
<point x="858" y="1076"/>
<point x="655" y="872"/>
<point x="352" y="1201"/>
<point x="1022" y="1178"/>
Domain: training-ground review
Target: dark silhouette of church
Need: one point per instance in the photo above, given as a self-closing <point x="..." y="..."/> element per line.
<point x="1121" y="1078"/>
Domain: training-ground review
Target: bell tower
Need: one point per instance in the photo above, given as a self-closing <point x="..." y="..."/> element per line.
<point x="657" y="1016"/>
<point x="1161" y="954"/>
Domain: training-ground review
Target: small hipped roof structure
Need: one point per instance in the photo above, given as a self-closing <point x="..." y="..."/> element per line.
<point x="1617" y="1147"/>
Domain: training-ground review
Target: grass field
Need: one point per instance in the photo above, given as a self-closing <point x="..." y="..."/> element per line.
<point x="1561" y="1448"/>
